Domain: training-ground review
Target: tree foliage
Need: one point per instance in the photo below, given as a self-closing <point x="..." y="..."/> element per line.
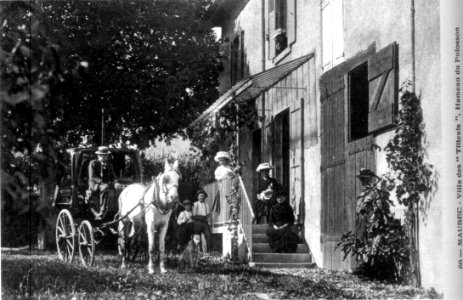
<point x="151" y="65"/>
<point x="218" y="130"/>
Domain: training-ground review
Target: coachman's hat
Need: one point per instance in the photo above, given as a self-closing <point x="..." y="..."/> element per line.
<point x="102" y="150"/>
<point x="366" y="173"/>
<point x="186" y="202"/>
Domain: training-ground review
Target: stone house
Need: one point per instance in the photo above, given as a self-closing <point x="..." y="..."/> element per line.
<point x="324" y="78"/>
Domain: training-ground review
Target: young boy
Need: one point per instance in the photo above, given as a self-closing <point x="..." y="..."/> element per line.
<point x="201" y="213"/>
<point x="186" y="225"/>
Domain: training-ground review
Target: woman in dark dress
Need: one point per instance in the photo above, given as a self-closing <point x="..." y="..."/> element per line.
<point x="281" y="219"/>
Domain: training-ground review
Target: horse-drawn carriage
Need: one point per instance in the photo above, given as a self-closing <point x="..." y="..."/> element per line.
<point x="76" y="225"/>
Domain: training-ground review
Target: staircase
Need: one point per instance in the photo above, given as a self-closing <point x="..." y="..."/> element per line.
<point x="263" y="256"/>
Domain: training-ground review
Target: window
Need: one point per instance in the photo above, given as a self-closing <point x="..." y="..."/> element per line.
<point x="332" y="33"/>
<point x="358" y="103"/>
<point x="281" y="27"/>
<point x="373" y="93"/>
<point x="238" y="59"/>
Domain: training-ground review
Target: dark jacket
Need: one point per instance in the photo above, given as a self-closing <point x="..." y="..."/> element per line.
<point x="98" y="174"/>
<point x="281" y="214"/>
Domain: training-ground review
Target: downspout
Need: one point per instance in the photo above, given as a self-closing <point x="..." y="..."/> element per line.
<point x="416" y="206"/>
<point x="263" y="33"/>
<point x="413" y="43"/>
<point x="263" y="69"/>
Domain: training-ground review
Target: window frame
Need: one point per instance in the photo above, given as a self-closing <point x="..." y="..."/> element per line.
<point x="289" y="30"/>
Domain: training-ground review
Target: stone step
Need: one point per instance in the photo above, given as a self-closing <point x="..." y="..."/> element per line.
<point x="282" y="265"/>
<point x="281" y="258"/>
<point x="265" y="248"/>
<point x="262" y="238"/>
<point x="259" y="228"/>
<point x="262" y="228"/>
<point x="259" y="238"/>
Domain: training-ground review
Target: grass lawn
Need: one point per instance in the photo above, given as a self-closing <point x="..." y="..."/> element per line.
<point x="44" y="276"/>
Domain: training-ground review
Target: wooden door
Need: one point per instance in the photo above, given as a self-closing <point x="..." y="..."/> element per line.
<point x="333" y="169"/>
<point x="341" y="161"/>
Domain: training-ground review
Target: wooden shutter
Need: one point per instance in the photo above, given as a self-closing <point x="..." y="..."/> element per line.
<point x="382" y="77"/>
<point x="337" y="31"/>
<point x="225" y="48"/>
<point x="327" y="42"/>
<point x="277" y="149"/>
<point x="269" y="144"/>
<point x="271" y="29"/>
<point x="291" y="21"/>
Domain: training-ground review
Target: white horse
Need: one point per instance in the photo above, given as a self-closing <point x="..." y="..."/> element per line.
<point x="157" y="204"/>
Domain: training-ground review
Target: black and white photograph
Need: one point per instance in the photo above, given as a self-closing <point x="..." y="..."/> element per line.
<point x="231" y="149"/>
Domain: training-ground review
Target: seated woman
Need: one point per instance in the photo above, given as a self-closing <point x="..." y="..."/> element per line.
<point x="281" y="218"/>
<point x="265" y="197"/>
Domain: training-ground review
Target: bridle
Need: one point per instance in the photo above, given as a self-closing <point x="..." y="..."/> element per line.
<point x="163" y="189"/>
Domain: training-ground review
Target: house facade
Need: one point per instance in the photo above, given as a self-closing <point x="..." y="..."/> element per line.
<point x="324" y="78"/>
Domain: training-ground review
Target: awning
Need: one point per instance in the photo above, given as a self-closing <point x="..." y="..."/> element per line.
<point x="254" y="85"/>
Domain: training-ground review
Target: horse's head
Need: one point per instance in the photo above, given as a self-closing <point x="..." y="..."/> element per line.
<point x="170" y="180"/>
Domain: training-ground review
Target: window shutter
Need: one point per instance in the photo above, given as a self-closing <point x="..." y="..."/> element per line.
<point x="269" y="149"/>
<point x="382" y="77"/>
<point x="271" y="29"/>
<point x="291" y="19"/>
<point x="225" y="49"/>
<point x="338" y="31"/>
<point x="327" y="42"/>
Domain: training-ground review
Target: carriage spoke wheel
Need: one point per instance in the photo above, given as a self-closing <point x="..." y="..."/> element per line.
<point x="65" y="235"/>
<point x="86" y="243"/>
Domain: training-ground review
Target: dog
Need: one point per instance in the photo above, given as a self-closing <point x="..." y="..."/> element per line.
<point x="191" y="253"/>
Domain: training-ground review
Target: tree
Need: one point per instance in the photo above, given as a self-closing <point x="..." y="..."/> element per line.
<point x="152" y="65"/>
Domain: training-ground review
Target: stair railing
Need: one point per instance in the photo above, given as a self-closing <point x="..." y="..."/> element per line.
<point x="246" y="217"/>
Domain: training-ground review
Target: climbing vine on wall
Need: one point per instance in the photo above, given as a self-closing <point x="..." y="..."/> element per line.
<point x="414" y="179"/>
<point x="390" y="248"/>
<point x="218" y="131"/>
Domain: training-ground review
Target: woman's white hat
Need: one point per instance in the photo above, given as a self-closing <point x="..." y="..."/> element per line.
<point x="220" y="155"/>
<point x="264" y="166"/>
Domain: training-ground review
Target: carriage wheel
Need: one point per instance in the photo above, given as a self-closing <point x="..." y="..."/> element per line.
<point x="86" y="243"/>
<point x="65" y="236"/>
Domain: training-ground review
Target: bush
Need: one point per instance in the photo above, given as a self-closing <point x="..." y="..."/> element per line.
<point x="379" y="243"/>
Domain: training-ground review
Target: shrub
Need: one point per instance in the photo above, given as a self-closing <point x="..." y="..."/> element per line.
<point x="379" y="242"/>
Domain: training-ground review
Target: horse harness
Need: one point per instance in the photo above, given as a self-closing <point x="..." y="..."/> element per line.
<point x="157" y="195"/>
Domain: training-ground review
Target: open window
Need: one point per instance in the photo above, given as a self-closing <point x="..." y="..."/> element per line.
<point x="373" y="94"/>
<point x="358" y="102"/>
<point x="281" y="27"/>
